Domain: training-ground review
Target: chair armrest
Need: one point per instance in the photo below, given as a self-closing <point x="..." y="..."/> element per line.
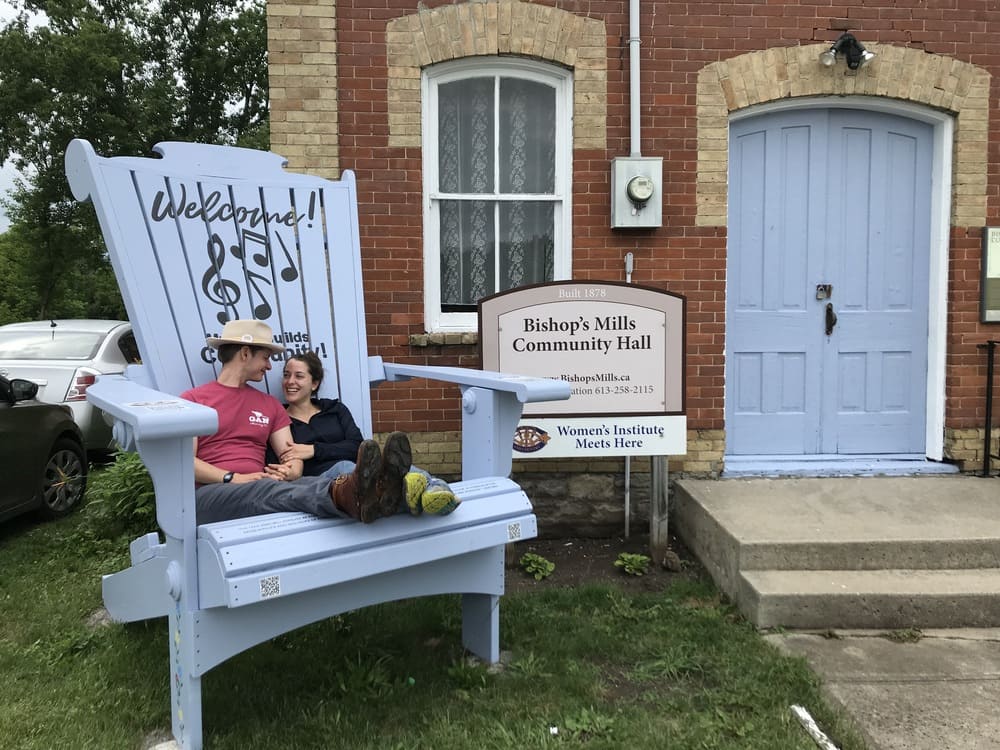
<point x="151" y="414"/>
<point x="491" y="407"/>
<point x="525" y="387"/>
<point x="161" y="427"/>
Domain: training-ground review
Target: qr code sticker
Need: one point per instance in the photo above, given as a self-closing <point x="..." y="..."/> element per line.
<point x="513" y="531"/>
<point x="270" y="587"/>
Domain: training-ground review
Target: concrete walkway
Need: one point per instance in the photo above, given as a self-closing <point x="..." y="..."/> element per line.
<point x="941" y="692"/>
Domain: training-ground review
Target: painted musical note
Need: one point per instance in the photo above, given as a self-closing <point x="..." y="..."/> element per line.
<point x="262" y="310"/>
<point x="290" y="273"/>
<point x="217" y="289"/>
<point x="240" y="251"/>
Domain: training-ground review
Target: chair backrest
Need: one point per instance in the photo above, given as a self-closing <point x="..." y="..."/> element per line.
<point x="207" y="234"/>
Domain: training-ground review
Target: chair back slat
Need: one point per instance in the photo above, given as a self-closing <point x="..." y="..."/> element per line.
<point x="208" y="234"/>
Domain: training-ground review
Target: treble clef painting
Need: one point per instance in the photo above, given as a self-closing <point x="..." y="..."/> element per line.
<point x="217" y="288"/>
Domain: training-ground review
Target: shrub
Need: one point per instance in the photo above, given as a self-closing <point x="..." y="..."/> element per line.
<point x="120" y="498"/>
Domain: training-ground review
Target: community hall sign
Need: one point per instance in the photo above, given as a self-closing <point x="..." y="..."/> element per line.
<point x="621" y="348"/>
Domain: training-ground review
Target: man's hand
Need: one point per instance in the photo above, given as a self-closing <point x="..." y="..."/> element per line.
<point x="205" y="473"/>
<point x="247" y="478"/>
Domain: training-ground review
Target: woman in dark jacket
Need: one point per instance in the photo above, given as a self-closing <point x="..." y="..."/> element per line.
<point x="327" y="437"/>
<point x="324" y="431"/>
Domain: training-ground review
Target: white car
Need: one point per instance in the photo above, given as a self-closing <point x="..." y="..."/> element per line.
<point x="64" y="357"/>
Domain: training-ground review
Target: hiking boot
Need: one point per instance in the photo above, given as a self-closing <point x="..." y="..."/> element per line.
<point x="396" y="461"/>
<point x="416" y="483"/>
<point x="357" y="493"/>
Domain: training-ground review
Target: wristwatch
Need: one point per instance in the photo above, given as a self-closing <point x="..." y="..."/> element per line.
<point x="228" y="477"/>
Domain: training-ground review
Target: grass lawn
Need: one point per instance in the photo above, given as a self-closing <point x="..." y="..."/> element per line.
<point x="604" y="667"/>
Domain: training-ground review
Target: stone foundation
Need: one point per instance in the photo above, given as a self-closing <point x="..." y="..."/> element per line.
<point x="586" y="496"/>
<point x="580" y="496"/>
<point x="965" y="448"/>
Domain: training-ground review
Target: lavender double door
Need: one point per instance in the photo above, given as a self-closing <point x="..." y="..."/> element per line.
<point x="827" y="283"/>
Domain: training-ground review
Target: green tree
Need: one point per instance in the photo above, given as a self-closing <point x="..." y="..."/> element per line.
<point x="124" y="74"/>
<point x="221" y="96"/>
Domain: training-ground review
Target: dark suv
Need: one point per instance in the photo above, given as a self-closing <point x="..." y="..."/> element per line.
<point x="42" y="459"/>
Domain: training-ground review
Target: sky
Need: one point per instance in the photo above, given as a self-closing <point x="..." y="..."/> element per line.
<point x="7" y="175"/>
<point x="7" y="172"/>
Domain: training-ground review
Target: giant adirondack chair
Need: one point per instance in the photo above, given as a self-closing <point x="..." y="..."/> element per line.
<point x="206" y="234"/>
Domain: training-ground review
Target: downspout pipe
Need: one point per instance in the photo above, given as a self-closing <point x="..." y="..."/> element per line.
<point x="635" y="130"/>
<point x="635" y="126"/>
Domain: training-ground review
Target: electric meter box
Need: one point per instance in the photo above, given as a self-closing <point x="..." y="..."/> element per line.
<point x="636" y="192"/>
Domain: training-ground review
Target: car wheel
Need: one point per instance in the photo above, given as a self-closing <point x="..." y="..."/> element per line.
<point x="64" y="480"/>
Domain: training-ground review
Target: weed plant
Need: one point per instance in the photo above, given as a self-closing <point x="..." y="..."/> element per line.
<point x="588" y="667"/>
<point x="537" y="566"/>
<point x="633" y="564"/>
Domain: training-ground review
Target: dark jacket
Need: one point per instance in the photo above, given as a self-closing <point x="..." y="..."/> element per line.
<point x="333" y="434"/>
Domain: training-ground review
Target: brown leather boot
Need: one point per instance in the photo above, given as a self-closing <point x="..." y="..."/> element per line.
<point x="357" y="493"/>
<point x="397" y="457"/>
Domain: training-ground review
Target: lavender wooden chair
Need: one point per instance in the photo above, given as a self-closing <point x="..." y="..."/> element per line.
<point x="206" y="234"/>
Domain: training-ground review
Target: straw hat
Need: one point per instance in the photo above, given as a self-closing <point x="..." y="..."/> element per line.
<point x="246" y="333"/>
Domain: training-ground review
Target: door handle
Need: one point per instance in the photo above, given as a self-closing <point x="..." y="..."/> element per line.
<point x="831" y="318"/>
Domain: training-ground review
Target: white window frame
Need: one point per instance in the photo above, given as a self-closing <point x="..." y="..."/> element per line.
<point x="561" y="80"/>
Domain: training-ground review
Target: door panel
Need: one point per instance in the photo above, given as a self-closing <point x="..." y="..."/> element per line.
<point x="774" y="364"/>
<point x="837" y="197"/>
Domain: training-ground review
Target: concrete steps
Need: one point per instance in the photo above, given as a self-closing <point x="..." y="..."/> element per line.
<point x="892" y="599"/>
<point x="849" y="552"/>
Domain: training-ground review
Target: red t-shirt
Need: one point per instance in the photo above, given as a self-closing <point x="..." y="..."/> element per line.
<point x="247" y="418"/>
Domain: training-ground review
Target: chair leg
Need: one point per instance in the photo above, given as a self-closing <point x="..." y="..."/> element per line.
<point x="185" y="685"/>
<point x="481" y="625"/>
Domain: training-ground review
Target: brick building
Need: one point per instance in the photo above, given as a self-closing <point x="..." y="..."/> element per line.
<point x="779" y="174"/>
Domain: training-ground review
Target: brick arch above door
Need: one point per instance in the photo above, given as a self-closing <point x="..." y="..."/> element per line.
<point x="899" y="73"/>
<point x="498" y="28"/>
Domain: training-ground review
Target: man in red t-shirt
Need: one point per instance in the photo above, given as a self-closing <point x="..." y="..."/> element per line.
<point x="233" y="480"/>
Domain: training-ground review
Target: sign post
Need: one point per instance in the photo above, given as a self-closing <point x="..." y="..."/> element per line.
<point x="621" y="347"/>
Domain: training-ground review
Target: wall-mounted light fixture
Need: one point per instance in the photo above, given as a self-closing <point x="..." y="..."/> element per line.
<point x="852" y="50"/>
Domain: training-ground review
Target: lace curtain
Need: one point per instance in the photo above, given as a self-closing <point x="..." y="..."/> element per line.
<point x="496" y="140"/>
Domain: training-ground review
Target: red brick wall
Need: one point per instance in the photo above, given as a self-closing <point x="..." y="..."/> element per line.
<point x="678" y="40"/>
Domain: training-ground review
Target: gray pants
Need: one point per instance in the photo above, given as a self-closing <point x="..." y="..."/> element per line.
<point x="222" y="502"/>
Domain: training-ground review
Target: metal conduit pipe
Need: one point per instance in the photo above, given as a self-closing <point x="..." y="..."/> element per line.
<point x="635" y="129"/>
<point x="635" y="126"/>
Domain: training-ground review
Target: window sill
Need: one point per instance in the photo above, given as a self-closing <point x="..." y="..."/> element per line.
<point x="422" y="340"/>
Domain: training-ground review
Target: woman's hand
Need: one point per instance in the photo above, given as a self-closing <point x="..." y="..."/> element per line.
<point x="300" y="451"/>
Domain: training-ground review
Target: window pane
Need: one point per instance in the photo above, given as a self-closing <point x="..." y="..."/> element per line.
<point x="527" y="137"/>
<point x="467" y="252"/>
<point x="49" y="344"/>
<point x="465" y="132"/>
<point x="527" y="232"/>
